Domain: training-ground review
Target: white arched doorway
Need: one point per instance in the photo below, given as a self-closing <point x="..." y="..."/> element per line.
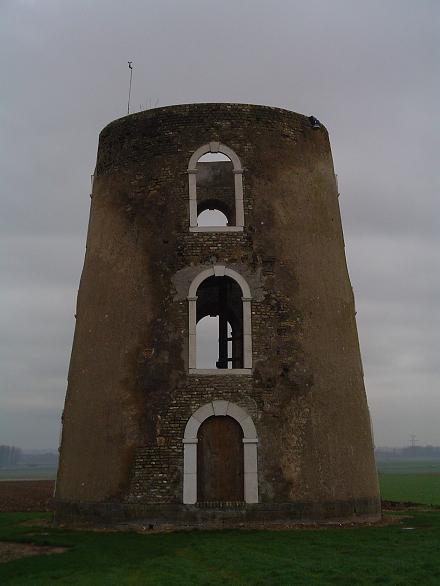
<point x="190" y="440"/>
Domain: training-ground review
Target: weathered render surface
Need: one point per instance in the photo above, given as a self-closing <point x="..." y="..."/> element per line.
<point x="130" y="394"/>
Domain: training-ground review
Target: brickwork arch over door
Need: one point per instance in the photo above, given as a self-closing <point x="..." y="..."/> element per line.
<point x="217" y="409"/>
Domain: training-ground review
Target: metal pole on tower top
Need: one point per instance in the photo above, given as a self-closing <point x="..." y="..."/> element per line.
<point x="130" y="67"/>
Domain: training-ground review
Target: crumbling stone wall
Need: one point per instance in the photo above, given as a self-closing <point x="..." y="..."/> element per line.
<point x="130" y="394"/>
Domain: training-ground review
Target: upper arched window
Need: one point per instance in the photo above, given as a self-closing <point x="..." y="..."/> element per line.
<point x="215" y="189"/>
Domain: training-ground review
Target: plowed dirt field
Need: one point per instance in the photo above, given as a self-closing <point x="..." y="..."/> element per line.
<point x="26" y="495"/>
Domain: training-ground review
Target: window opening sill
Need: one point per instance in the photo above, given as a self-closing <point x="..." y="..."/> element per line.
<point x="219" y="371"/>
<point x="216" y="228"/>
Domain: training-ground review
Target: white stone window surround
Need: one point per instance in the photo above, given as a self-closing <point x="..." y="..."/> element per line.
<point x="215" y="147"/>
<point x="220" y="271"/>
<point x="250" y="442"/>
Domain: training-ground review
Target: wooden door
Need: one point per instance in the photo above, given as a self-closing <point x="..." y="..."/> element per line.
<point x="220" y="461"/>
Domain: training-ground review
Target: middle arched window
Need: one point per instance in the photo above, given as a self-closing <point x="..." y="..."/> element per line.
<point x="215" y="189"/>
<point x="219" y="323"/>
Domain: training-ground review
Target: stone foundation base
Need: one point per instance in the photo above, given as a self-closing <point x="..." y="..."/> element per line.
<point x="216" y="515"/>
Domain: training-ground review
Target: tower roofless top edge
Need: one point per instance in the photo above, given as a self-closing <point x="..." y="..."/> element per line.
<point x="215" y="107"/>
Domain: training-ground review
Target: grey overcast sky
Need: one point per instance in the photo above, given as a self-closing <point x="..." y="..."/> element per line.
<point x="368" y="69"/>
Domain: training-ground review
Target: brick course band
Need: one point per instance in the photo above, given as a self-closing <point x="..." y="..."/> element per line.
<point x="192" y="516"/>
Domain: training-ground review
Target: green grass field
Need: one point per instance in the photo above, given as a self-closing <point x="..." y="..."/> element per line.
<point x="401" y="554"/>
<point x="416" y="488"/>
<point x="414" y="481"/>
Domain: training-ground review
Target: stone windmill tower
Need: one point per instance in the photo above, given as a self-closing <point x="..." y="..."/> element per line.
<point x="276" y="425"/>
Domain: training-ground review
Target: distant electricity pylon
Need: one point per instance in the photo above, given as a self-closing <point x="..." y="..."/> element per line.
<point x="413" y="440"/>
<point x="130" y="67"/>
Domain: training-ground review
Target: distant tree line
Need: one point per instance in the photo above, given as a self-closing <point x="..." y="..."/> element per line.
<point x="9" y="455"/>
<point x="408" y="453"/>
<point x="13" y="456"/>
<point x="45" y="459"/>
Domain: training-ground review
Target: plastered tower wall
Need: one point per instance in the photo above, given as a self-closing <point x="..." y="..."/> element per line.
<point x="130" y="393"/>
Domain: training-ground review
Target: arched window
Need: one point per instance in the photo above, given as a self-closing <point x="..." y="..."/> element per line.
<point x="219" y="319"/>
<point x="215" y="184"/>
<point x="219" y="307"/>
